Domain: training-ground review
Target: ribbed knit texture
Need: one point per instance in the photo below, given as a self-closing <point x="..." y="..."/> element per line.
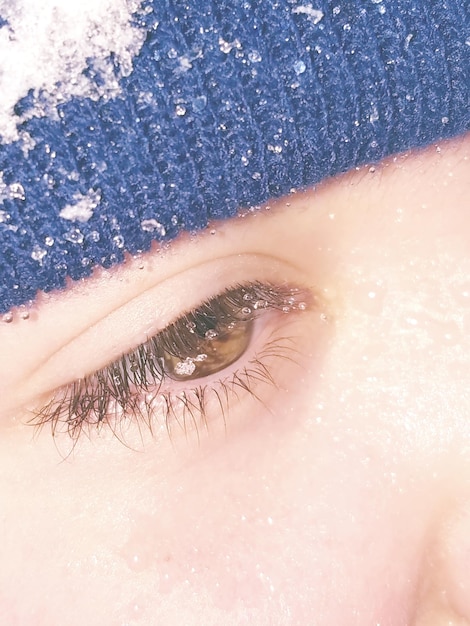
<point x="230" y="103"/>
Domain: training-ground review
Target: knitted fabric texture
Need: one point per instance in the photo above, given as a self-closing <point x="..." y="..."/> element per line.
<point x="226" y="103"/>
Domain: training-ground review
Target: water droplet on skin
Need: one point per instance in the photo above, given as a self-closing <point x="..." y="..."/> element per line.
<point x="211" y="334"/>
<point x="24" y="315"/>
<point x="213" y="231"/>
<point x="371" y="169"/>
<point x="302" y="306"/>
<point x="7" y="317"/>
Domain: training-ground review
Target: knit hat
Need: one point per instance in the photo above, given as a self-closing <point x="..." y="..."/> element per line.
<point x="124" y="122"/>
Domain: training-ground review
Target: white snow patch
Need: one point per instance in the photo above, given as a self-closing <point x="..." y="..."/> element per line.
<point x="314" y="15"/>
<point x="83" y="209"/>
<point x="45" y="46"/>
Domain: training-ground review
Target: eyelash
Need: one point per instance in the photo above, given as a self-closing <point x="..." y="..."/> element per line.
<point x="133" y="385"/>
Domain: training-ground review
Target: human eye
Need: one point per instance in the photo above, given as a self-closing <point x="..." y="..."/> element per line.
<point x="192" y="370"/>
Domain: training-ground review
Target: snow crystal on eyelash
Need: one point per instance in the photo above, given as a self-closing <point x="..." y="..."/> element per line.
<point x="45" y="46"/>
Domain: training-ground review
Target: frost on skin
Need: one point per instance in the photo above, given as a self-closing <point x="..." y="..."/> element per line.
<point x="45" y="46"/>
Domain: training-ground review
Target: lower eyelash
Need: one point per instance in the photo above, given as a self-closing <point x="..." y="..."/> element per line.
<point x="187" y="410"/>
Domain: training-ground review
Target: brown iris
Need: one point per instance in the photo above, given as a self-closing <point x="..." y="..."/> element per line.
<point x="215" y="351"/>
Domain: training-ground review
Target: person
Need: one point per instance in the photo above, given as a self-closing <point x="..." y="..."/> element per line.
<point x="236" y="300"/>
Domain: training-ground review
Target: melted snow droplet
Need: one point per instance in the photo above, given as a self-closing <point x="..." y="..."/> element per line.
<point x="254" y="56"/>
<point x="180" y="110"/>
<point x="94" y="236"/>
<point x="38" y="253"/>
<point x="246" y="310"/>
<point x="277" y="149"/>
<point x="314" y="15"/>
<point x="49" y="241"/>
<point x="153" y="226"/>
<point x="118" y="241"/>
<point x="199" y="104"/>
<point x="74" y="235"/>
<point x="211" y="334"/>
<point x="83" y="208"/>
<point x="4" y="217"/>
<point x="299" y="67"/>
<point x="445" y="119"/>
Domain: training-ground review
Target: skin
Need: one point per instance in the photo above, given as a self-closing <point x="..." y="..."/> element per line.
<point x="341" y="496"/>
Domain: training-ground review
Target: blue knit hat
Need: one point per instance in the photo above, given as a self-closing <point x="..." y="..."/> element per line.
<point x="158" y="116"/>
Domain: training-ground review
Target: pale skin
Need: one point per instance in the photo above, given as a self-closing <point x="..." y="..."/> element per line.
<point x="341" y="496"/>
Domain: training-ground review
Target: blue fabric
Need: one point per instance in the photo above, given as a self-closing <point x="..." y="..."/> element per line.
<point x="230" y="102"/>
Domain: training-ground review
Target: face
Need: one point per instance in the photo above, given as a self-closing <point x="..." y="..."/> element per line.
<point x="313" y="468"/>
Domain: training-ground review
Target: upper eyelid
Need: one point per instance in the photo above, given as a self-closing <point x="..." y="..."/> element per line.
<point x="89" y="351"/>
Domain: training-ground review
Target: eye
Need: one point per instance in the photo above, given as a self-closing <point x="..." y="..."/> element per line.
<point x="216" y="350"/>
<point x="225" y="345"/>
